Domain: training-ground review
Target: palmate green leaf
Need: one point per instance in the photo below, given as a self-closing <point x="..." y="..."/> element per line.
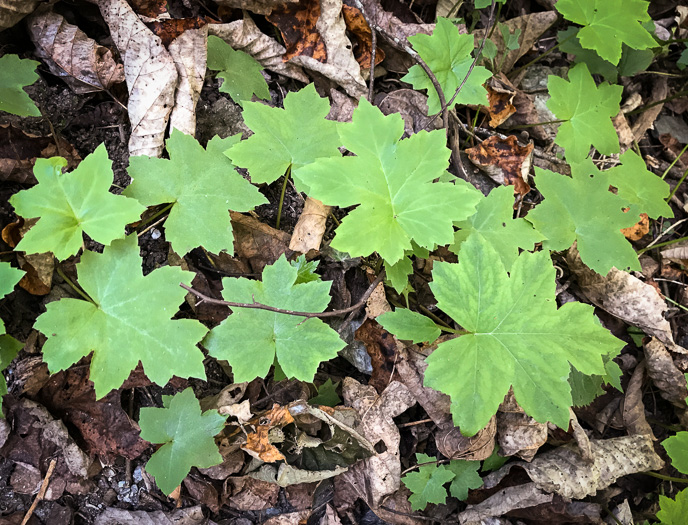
<point x="398" y="273"/>
<point x="466" y="477"/>
<point x="305" y="270"/>
<point x="251" y="338"/>
<point x="677" y="448"/>
<point x="392" y="180"/>
<point x="448" y="55"/>
<point x="494" y="221"/>
<point x="186" y="435"/>
<point x="517" y="337"/>
<point x="673" y="511"/>
<point x="291" y="137"/>
<point x="130" y="322"/>
<point x="409" y="325"/>
<point x="587" y="110"/>
<point x="608" y="24"/>
<point x="9" y="277"/>
<point x="644" y="191"/>
<point x="202" y="184"/>
<point x="72" y="204"/>
<point x="427" y="483"/>
<point x="239" y="71"/>
<point x="580" y="208"/>
<point x="16" y="74"/>
<point x="327" y="395"/>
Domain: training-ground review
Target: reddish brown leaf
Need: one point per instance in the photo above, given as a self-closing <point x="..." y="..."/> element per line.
<point x="638" y="230"/>
<point x="362" y="37"/>
<point x="39" y="267"/>
<point x="171" y="28"/>
<point x="500" y="107"/>
<point x="297" y="23"/>
<point x="257" y="242"/>
<point x="504" y="160"/>
<point x="258" y="443"/>
<point x="381" y="347"/>
<point x="149" y="8"/>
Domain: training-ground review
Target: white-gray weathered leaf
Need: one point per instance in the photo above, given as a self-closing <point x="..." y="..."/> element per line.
<point x="190" y="53"/>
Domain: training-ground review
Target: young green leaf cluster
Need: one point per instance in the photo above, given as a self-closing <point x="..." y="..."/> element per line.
<point x="674" y="511"/>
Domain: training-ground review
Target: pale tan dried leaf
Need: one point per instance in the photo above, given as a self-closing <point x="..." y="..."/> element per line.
<point x="150" y="74"/>
<point x="510" y="498"/>
<point x="518" y="433"/>
<point x="189" y="52"/>
<point x="532" y="26"/>
<point x="12" y="11"/>
<point x="380" y="475"/>
<point x="581" y="437"/>
<point x="260" y="7"/>
<point x="84" y="65"/>
<point x="377" y="304"/>
<point x="454" y="445"/>
<point x="633" y="408"/>
<point x="330" y="517"/>
<point x="625" y="297"/>
<point x="678" y="253"/>
<point x="624" y="131"/>
<point x="565" y="472"/>
<point x="241" y="411"/>
<point x="243" y="35"/>
<point x="342" y="107"/>
<point x="664" y="373"/>
<point x="39" y="268"/>
<point x="187" y="516"/>
<point x="289" y="518"/>
<point x="257" y="242"/>
<point x="248" y="493"/>
<point x="286" y="475"/>
<point x="310" y="227"/>
<point x="229" y="395"/>
<point x="341" y="66"/>
<point x="647" y="118"/>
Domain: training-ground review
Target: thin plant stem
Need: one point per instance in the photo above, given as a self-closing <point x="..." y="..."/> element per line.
<point x="73" y="286"/>
<point x="540" y="57"/>
<point x="679" y="305"/>
<point x="673" y="192"/>
<point x="663" y="244"/>
<point x="156" y="215"/>
<point x="494" y="26"/>
<point x="674" y="161"/>
<point x="281" y="201"/>
<point x="665" y="232"/>
<point x="665" y="478"/>
<point x="524" y="126"/>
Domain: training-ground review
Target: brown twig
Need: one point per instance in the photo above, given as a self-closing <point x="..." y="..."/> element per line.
<point x="41" y="492"/>
<point x="308" y="315"/>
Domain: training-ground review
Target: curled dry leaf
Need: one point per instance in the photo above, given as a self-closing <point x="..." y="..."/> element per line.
<point x="508" y="499"/>
<point x="646" y="119"/>
<point x="187" y="516"/>
<point x="310" y="227"/>
<point x="244" y="35"/>
<point x="19" y="151"/>
<point x="412" y="106"/>
<point x="150" y="73"/>
<point x="633" y="408"/>
<point x="360" y="32"/>
<point x="257" y="242"/>
<point x="377" y="304"/>
<point x="505" y="161"/>
<point x="500" y="107"/>
<point x="260" y="7"/>
<point x="39" y="267"/>
<point x="564" y="472"/>
<point x="638" y="230"/>
<point x="678" y="253"/>
<point x="258" y="442"/>
<point x="297" y="24"/>
<point x="664" y="373"/>
<point x="518" y="433"/>
<point x="626" y="297"/>
<point x="189" y="52"/>
<point x="12" y="11"/>
<point x="84" y="65"/>
<point x="380" y="475"/>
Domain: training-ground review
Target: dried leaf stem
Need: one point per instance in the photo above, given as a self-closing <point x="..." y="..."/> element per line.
<point x="334" y="313"/>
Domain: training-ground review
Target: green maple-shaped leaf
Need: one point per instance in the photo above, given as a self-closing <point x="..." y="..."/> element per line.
<point x="8" y="278"/>
<point x="465" y="477"/>
<point x="677" y="448"/>
<point x="587" y="110"/>
<point x="72" y="204"/>
<point x="202" y="184"/>
<point x="448" y="55"/>
<point x="673" y="511"/>
<point x="130" y="321"/>
<point x="644" y="191"/>
<point x="186" y="435"/>
<point x="291" y="137"/>
<point x="327" y="394"/>
<point x="409" y="325"/>
<point x="494" y="220"/>
<point x="580" y="208"/>
<point x="517" y="337"/>
<point x="239" y="71"/>
<point x="608" y="24"/>
<point x="305" y="270"/>
<point x="392" y="180"/>
<point x="251" y="338"/>
<point x="17" y="73"/>
<point x="427" y="483"/>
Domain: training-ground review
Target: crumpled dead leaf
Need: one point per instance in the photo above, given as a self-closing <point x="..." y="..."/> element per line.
<point x="563" y="471"/>
<point x="362" y="36"/>
<point x="518" y="433"/>
<point x="70" y="54"/>
<point x="258" y="443"/>
<point x="150" y="73"/>
<point x="380" y="475"/>
<point x="412" y="106"/>
<point x="507" y="499"/>
<point x="260" y="7"/>
<point x="646" y="119"/>
<point x="310" y="227"/>
<point x="626" y="297"/>
<point x="247" y="493"/>
<point x="187" y="516"/>
<point x="532" y="26"/>
<point x="19" y="151"/>
<point x="257" y="242"/>
<point x="505" y="161"/>
<point x="12" y="11"/>
<point x="664" y="373"/>
<point x="190" y="53"/>
<point x="340" y="66"/>
<point x="244" y="35"/>
<point x="39" y="267"/>
<point x="633" y="408"/>
<point x="297" y="24"/>
<point x="638" y="230"/>
<point x="500" y="106"/>
<point x="677" y="253"/>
